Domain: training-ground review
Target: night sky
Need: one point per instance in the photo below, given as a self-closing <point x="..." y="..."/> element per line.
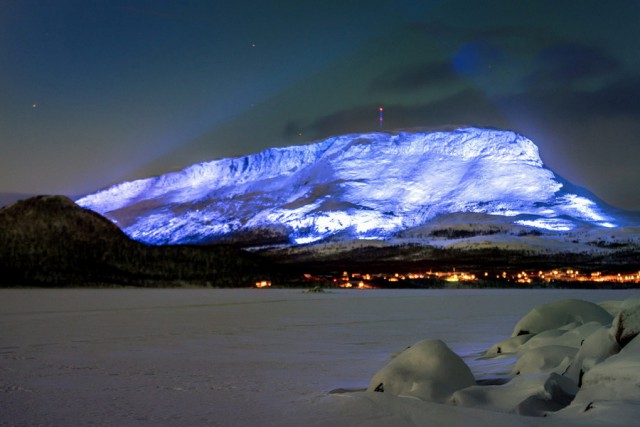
<point x="96" y="92"/>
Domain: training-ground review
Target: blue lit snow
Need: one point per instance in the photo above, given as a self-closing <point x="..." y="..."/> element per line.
<point x="359" y="186"/>
<point x="551" y="224"/>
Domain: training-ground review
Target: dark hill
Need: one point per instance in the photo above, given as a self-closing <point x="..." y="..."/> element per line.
<point x="51" y="241"/>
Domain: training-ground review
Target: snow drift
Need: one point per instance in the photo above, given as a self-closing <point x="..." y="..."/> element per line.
<point x="358" y="186"/>
<point x="428" y="370"/>
<point x="571" y="358"/>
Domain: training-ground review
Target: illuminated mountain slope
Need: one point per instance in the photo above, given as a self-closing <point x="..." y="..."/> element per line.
<point x="358" y="186"/>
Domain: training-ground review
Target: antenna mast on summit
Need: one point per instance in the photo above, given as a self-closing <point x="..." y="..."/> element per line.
<point x="381" y="119"/>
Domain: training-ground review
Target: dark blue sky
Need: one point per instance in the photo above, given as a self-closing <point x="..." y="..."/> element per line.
<point x="96" y="92"/>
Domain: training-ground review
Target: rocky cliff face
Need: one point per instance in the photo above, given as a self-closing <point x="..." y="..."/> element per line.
<point x="359" y="186"/>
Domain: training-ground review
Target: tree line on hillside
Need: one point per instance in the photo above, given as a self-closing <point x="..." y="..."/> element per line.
<point x="50" y="241"/>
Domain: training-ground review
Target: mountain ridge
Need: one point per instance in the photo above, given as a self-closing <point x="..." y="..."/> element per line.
<point x="355" y="186"/>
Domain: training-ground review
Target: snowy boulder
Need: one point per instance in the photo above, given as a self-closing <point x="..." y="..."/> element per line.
<point x="562" y="336"/>
<point x="570" y="335"/>
<point x="596" y="347"/>
<point x="428" y="370"/>
<point x="552" y="358"/>
<point x="630" y="302"/>
<point x="626" y="324"/>
<point x="509" y="345"/>
<point x="616" y="378"/>
<point x="576" y="336"/>
<point x="542" y="339"/>
<point x="612" y="307"/>
<point x="529" y="395"/>
<point x="557" y="393"/>
<point x="556" y="314"/>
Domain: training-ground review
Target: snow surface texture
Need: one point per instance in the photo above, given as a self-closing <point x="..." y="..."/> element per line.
<point x="572" y="359"/>
<point x="359" y="186"/>
<point x="248" y="357"/>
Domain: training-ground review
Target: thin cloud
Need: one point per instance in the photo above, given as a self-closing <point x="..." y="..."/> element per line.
<point x="415" y="77"/>
<point x="564" y="64"/>
<point x="468" y="107"/>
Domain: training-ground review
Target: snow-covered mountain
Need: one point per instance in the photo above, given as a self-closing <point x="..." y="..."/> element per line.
<point x="358" y="186"/>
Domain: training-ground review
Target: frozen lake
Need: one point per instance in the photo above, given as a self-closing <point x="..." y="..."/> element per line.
<point x="237" y="357"/>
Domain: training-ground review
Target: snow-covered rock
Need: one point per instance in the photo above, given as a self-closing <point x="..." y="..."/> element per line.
<point x="568" y="365"/>
<point x="571" y="337"/>
<point x="615" y="378"/>
<point x="626" y="324"/>
<point x="612" y="307"/>
<point x="574" y="341"/>
<point x="428" y="370"/>
<point x="358" y="186"/>
<point x="551" y="358"/>
<point x="596" y="347"/>
<point x="530" y="395"/>
<point x="509" y="345"/>
<point x="557" y="314"/>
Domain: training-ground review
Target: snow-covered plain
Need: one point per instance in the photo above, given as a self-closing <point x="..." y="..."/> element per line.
<point x="254" y="357"/>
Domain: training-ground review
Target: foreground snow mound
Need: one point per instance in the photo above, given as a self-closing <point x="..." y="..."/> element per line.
<point x="428" y="370"/>
<point x="626" y="325"/>
<point x="575" y="341"/>
<point x="523" y="395"/>
<point x="551" y="358"/>
<point x="509" y="345"/>
<point x="358" y="186"/>
<point x="565" y="360"/>
<point x="557" y="314"/>
<point x="596" y="347"/>
<point x="569" y="335"/>
<point x="615" y="378"/>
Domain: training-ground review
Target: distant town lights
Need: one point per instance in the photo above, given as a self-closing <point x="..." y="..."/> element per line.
<point x="372" y="281"/>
